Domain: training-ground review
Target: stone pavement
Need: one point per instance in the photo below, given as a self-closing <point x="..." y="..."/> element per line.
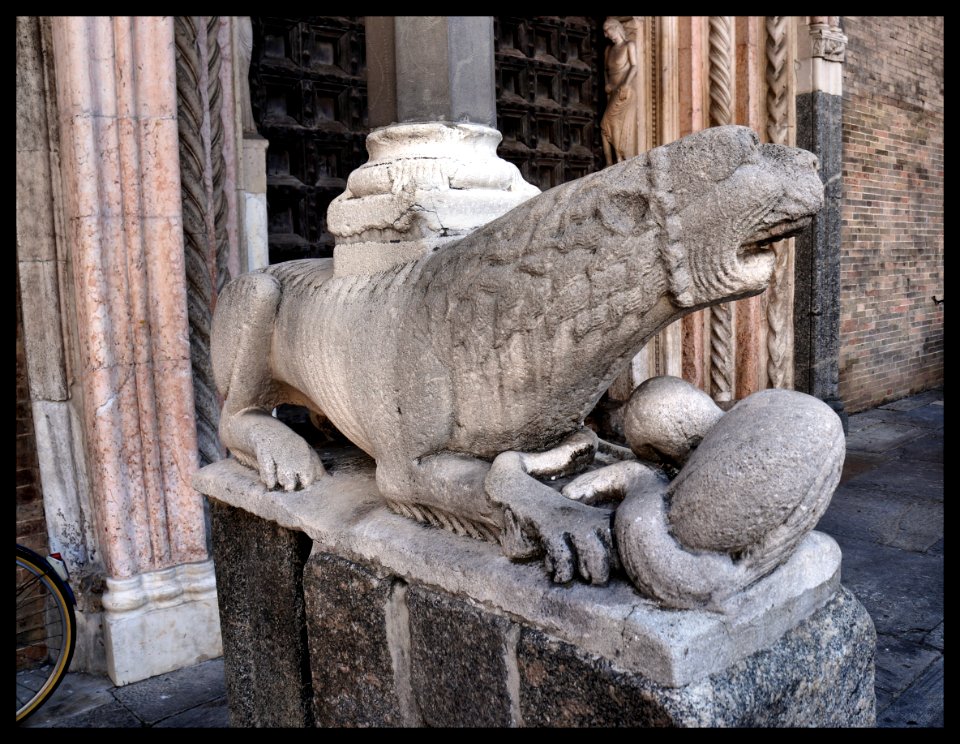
<point x="887" y="516"/>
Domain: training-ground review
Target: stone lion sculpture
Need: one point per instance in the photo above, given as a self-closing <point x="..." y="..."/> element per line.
<point x="469" y="371"/>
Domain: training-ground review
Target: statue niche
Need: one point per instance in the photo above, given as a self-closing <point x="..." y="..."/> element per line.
<point x="619" y="125"/>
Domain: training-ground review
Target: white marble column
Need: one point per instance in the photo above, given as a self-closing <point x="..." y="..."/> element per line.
<point x="116" y="95"/>
<point x="433" y="175"/>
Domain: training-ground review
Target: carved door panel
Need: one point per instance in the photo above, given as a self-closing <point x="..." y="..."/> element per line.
<point x="308" y="88"/>
<point x="549" y="95"/>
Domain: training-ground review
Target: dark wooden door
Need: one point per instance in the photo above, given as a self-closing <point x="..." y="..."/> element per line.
<point x="308" y="86"/>
<point x="549" y="95"/>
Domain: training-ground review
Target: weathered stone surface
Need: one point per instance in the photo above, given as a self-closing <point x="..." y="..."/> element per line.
<point x="772" y="452"/>
<point x="756" y="485"/>
<point x="354" y="677"/>
<point x="909" y="403"/>
<point x="929" y="416"/>
<point x="425" y="185"/>
<point x="459" y="661"/>
<point x="922" y="479"/>
<point x="456" y="375"/>
<point x="928" y="448"/>
<point x="935" y="637"/>
<point x="818" y="674"/>
<point x="113" y="715"/>
<point x="160" y="621"/>
<point x="346" y="516"/>
<point x="214" y="714"/>
<point x="666" y="418"/>
<point x="260" y="593"/>
<point x="858" y="462"/>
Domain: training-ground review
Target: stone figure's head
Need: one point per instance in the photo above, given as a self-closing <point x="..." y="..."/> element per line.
<point x="723" y="198"/>
<point x="614" y="30"/>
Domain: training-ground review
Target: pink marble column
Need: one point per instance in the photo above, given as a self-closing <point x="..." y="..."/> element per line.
<point x="693" y="106"/>
<point x="750" y="110"/>
<point x="116" y="91"/>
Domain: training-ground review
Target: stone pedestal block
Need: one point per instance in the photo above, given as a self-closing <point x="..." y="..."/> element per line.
<point x="462" y="656"/>
<point x="349" y="626"/>
<point x="818" y="674"/>
<point x="263" y="622"/>
<point x="411" y="625"/>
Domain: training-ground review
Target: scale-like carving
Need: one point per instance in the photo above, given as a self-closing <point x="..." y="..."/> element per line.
<point x="467" y="373"/>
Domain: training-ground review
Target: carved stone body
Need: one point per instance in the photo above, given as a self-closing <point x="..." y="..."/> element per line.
<point x="505" y="340"/>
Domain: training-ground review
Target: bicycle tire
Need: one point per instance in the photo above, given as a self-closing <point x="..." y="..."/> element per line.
<point x="46" y="631"/>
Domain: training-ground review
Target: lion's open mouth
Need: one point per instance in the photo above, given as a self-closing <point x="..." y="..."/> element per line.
<point x="757" y="248"/>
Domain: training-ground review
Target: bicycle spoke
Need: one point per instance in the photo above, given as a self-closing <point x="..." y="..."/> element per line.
<point x="45" y="632"/>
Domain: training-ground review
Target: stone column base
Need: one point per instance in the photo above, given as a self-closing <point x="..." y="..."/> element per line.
<point x="388" y="622"/>
<point x="425" y="185"/>
<point x="161" y="621"/>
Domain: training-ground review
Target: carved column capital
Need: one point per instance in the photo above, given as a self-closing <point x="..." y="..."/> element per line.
<point x="827" y="39"/>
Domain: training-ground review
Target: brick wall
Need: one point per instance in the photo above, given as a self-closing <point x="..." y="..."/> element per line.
<point x="891" y="331"/>
<point x="31" y="528"/>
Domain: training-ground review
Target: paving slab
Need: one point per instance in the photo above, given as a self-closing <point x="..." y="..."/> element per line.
<point x="77" y="693"/>
<point x="112" y="715"/>
<point x="915" y="478"/>
<point x="902" y="591"/>
<point x="899" y="663"/>
<point x="927" y="448"/>
<point x="935" y="637"/>
<point x="160" y="697"/>
<point x="921" y="706"/>
<point x="878" y="436"/>
<point x="859" y="462"/>
<point x="915" y="401"/>
<point x="892" y="519"/>
<point x="214" y="714"/>
<point x="926" y="415"/>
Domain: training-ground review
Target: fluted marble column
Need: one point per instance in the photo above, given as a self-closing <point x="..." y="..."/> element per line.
<point x="116" y="95"/>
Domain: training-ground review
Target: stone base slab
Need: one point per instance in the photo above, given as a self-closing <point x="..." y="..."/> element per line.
<point x="160" y="621"/>
<point x="345" y="515"/>
<point x="410" y="625"/>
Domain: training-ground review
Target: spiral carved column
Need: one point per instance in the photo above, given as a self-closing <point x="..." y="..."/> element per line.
<point x="196" y="204"/>
<point x="721" y="113"/>
<point x="217" y="163"/>
<point x="779" y="300"/>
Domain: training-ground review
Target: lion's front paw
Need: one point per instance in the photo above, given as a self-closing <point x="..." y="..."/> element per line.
<point x="279" y="454"/>
<point x="292" y="464"/>
<point x="576" y="538"/>
<point x="580" y="546"/>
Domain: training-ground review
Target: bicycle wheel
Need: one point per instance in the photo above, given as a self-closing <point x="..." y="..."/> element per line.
<point x="46" y="631"/>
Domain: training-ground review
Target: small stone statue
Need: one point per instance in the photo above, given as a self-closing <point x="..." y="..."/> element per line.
<point x="467" y="373"/>
<point x="244" y="56"/>
<point x="618" y="127"/>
